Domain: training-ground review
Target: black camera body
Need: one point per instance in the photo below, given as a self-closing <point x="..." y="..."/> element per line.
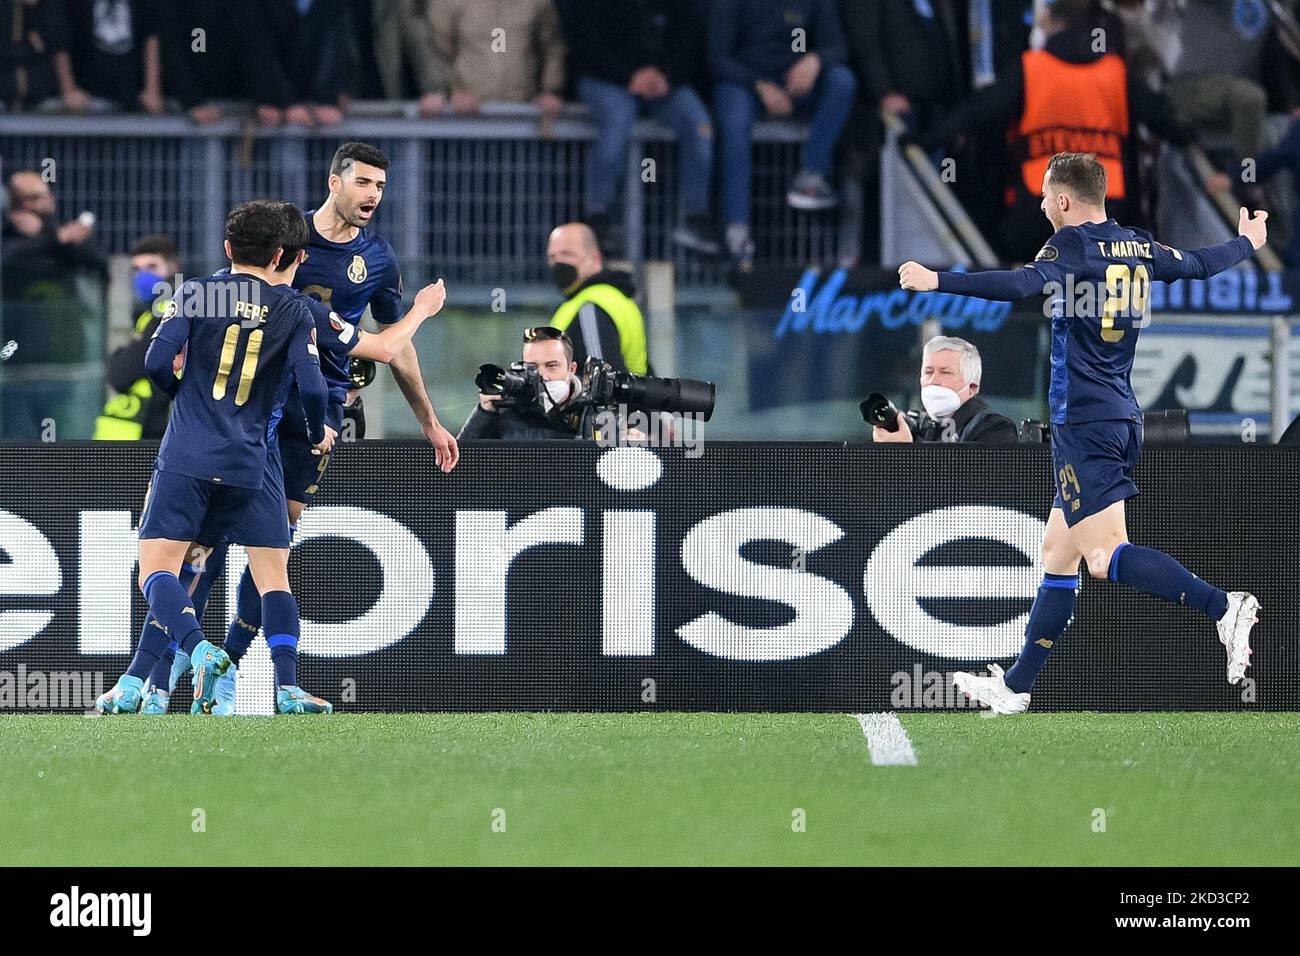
<point x="603" y="387"/>
<point x="520" y="385"/>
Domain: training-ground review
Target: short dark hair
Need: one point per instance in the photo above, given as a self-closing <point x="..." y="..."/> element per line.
<point x="350" y="153"/>
<point x="1079" y="174"/>
<point x="256" y="229"/>
<point x="294" y="238"/>
<point x="157" y="245"/>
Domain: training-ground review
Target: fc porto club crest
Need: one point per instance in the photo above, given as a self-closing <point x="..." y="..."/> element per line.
<point x="357" y="270"/>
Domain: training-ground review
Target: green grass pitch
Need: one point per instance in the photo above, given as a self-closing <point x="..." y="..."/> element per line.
<point x="1174" y="789"/>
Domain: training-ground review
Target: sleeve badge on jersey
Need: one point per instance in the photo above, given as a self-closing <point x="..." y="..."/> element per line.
<point x="1047" y="253"/>
<point x="169" y="310"/>
<point x="344" y="329"/>
<point x="1176" y="254"/>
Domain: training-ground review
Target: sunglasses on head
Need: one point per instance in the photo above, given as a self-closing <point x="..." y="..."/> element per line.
<point x="542" y="333"/>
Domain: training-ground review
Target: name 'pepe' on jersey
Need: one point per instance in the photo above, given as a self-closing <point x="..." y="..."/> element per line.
<point x="1099" y="276"/>
<point x="348" y="276"/>
<point x="243" y="339"/>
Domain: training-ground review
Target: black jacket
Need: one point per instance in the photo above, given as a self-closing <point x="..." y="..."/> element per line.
<point x="894" y="49"/>
<point x="513" y="424"/>
<point x="606" y="341"/>
<point x="238" y="58"/>
<point x="750" y="40"/>
<point x="974" y="421"/>
<point x="126" y="367"/>
<point x="612" y="39"/>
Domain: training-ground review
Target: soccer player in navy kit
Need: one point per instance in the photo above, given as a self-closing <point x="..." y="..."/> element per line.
<point x="1097" y="275"/>
<point x="239" y="337"/>
<point x="336" y="339"/>
<point x="347" y="268"/>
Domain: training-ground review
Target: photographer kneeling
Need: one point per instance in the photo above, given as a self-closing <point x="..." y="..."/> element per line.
<point x="499" y="416"/>
<point x="950" y="379"/>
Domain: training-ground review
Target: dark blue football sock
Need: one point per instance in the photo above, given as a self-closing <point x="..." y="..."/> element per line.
<point x="152" y="645"/>
<point x="161" y="671"/>
<point x="280" y="615"/>
<point x="198" y="579"/>
<point x="211" y="570"/>
<point x="173" y="613"/>
<point x="248" y="619"/>
<point x="1048" y="618"/>
<point x="161" y="676"/>
<point x="1157" y="573"/>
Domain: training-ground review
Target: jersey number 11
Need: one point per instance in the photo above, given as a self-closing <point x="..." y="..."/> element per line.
<point x="246" y="371"/>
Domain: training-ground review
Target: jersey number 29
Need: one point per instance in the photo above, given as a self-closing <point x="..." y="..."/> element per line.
<point x="1127" y="291"/>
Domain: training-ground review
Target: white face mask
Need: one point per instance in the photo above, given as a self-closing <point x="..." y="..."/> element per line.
<point x="940" y="401"/>
<point x="558" y="390"/>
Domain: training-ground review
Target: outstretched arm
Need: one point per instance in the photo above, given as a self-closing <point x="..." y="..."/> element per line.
<point x="386" y="345"/>
<point x="1000" y="284"/>
<point x="1168" y="263"/>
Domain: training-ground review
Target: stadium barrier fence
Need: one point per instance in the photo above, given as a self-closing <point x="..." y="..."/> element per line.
<point x="472" y="199"/>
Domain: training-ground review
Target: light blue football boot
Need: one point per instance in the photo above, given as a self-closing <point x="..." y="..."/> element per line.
<point x="155" y="701"/>
<point x="124" y="698"/>
<point x="225" y="691"/>
<point x="180" y="664"/>
<point x="209" y="663"/>
<point x="295" y="700"/>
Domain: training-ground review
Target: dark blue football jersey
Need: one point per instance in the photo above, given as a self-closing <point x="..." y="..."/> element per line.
<point x="348" y="276"/>
<point x="335" y="339"/>
<point x="1098" y="277"/>
<point x="244" y="338"/>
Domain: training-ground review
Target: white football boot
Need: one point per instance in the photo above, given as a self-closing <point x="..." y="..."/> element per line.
<point x="992" y="692"/>
<point x="1234" y="632"/>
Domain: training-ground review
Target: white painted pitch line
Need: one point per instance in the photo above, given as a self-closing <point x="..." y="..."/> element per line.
<point x="887" y="740"/>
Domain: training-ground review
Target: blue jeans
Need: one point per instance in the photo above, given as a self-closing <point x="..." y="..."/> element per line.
<point x="738" y="107"/>
<point x="614" y="110"/>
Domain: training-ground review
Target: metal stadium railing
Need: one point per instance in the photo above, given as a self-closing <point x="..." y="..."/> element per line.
<point x="471" y="199"/>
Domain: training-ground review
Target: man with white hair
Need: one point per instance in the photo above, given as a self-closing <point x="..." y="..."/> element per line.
<point x="950" y="380"/>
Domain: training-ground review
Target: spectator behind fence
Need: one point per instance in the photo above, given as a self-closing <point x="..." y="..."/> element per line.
<point x="51" y="276"/>
<point x="1066" y="96"/>
<point x="138" y="410"/>
<point x="1230" y="52"/>
<point x="35" y="69"/>
<point x="403" y="34"/>
<point x="632" y="57"/>
<point x="549" y="418"/>
<point x="316" y="50"/>
<point x="783" y="58"/>
<point x="951" y="371"/>
<point x="907" y="55"/>
<point x="34" y="241"/>
<point x="114" y="46"/>
<point x="501" y="50"/>
<point x="222" y="50"/>
<point x="609" y="323"/>
<point x="1286" y="156"/>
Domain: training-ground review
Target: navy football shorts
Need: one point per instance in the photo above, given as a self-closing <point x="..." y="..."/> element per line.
<point x="302" y="470"/>
<point x="180" y="508"/>
<point x="1093" y="464"/>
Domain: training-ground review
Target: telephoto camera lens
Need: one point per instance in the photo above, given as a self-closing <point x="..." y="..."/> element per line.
<point x="879" y="412"/>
